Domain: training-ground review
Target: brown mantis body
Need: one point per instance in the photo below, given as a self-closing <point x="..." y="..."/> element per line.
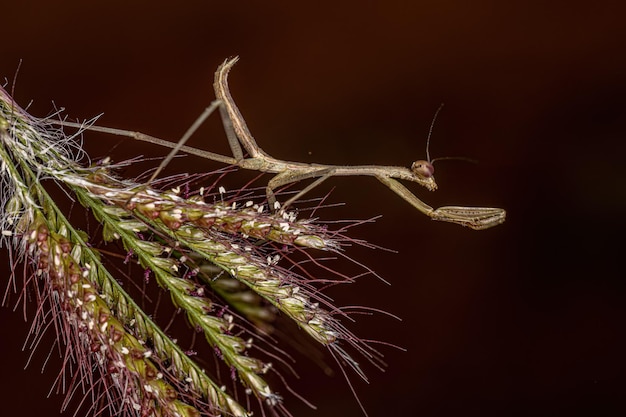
<point x="287" y="172"/>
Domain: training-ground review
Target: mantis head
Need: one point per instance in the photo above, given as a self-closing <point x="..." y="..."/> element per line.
<point x="424" y="169"/>
<point x="422" y="172"/>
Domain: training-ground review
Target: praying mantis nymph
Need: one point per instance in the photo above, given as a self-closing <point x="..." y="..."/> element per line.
<point x="287" y="172"/>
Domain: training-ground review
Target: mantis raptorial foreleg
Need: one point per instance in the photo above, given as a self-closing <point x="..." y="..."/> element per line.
<point x="287" y="172"/>
<point x="477" y="218"/>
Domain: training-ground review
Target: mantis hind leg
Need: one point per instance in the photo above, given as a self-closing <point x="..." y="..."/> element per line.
<point x="287" y="177"/>
<point x="181" y="143"/>
<point x="233" y="140"/>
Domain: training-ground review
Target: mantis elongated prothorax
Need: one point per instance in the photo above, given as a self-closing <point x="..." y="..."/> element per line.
<point x="287" y="172"/>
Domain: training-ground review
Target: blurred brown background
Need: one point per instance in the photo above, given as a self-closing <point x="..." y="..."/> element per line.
<point x="526" y="319"/>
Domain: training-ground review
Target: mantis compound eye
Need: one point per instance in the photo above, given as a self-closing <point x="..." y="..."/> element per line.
<point x="423" y="168"/>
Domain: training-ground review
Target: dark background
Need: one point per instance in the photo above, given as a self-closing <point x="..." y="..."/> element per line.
<point x="526" y="319"/>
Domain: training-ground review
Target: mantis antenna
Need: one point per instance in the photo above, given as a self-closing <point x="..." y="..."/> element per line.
<point x="427" y="167"/>
<point x="430" y="132"/>
<point x="286" y="172"/>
